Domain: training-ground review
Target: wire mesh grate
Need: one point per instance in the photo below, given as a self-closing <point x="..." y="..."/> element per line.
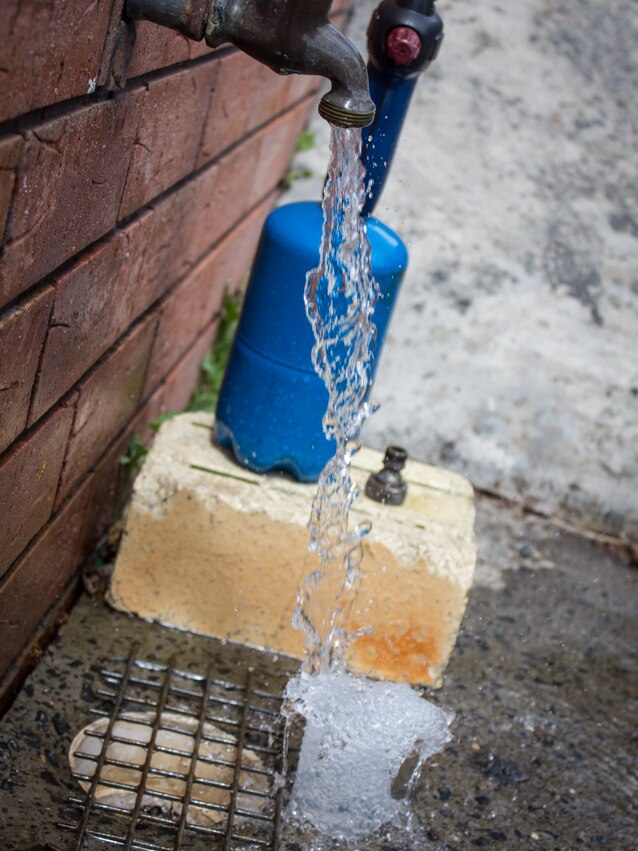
<point x="177" y="760"/>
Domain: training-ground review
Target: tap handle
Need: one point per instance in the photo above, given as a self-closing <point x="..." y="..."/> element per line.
<point x="404" y="36"/>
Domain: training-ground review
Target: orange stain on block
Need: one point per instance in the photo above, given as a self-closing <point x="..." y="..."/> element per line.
<point x="405" y="656"/>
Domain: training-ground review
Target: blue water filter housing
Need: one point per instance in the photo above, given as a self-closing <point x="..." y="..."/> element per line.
<point x="271" y="402"/>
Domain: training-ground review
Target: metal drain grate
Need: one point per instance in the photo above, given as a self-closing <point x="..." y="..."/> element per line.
<point x="219" y="791"/>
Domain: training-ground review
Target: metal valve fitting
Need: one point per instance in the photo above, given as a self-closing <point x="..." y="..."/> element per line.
<point x="290" y="36"/>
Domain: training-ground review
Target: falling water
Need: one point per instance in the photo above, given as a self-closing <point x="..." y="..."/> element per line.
<point x="360" y="736"/>
<point x="340" y="294"/>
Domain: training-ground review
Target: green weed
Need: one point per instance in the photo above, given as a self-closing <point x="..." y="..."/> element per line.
<point x="134" y="454"/>
<point x="214" y="364"/>
<point x="305" y="141"/>
<point x="205" y="394"/>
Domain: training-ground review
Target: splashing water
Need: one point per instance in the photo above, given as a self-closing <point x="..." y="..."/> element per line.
<point x="363" y="747"/>
<point x="341" y="295"/>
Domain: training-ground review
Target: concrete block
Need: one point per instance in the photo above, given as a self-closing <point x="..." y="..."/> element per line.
<point x="213" y="548"/>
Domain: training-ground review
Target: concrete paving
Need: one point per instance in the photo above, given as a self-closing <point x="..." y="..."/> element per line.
<point x="543" y="681"/>
<point x="512" y="356"/>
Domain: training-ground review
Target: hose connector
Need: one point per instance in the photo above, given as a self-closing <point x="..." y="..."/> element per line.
<point x="387" y="486"/>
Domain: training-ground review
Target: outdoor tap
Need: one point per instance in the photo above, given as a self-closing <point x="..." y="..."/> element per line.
<point x="404" y="38"/>
<point x="290" y="36"/>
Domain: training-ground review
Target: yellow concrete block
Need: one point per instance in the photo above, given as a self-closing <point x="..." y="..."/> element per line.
<point x="212" y="548"/>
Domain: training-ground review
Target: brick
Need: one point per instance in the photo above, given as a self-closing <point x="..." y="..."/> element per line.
<point x="229" y="113"/>
<point x="111" y="42"/>
<point x="166" y="235"/>
<point x="154" y="406"/>
<point x="186" y="311"/>
<point x="235" y="261"/>
<point x="416" y="571"/>
<point x="55" y="555"/>
<point x="276" y="149"/>
<point x="157" y="47"/>
<point x="22" y="332"/>
<point x="51" y="51"/>
<point x="10" y="148"/>
<point x="115" y="282"/>
<point x="223" y="197"/>
<point x="41" y="574"/>
<point x="28" y="657"/>
<point x="270" y="95"/>
<point x="108" y="398"/>
<point x="189" y="221"/>
<point x="117" y="55"/>
<point x="247" y="95"/>
<point x="175" y="391"/>
<point x="29" y="474"/>
<point x="194" y="303"/>
<point x="180" y="383"/>
<point x="186" y="223"/>
<point x="110" y="286"/>
<point x="172" y="112"/>
<point x="71" y="175"/>
<point x="147" y="414"/>
<point x="200" y="213"/>
<point x="95" y="302"/>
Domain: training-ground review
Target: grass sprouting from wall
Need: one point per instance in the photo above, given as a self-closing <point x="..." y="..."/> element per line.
<point x="214" y="364"/>
<point x="305" y="142"/>
<point x="206" y="391"/>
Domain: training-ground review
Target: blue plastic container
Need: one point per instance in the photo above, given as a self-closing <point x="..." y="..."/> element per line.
<point x="272" y="402"/>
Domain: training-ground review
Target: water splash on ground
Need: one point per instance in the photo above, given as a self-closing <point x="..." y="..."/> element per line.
<point x="363" y="746"/>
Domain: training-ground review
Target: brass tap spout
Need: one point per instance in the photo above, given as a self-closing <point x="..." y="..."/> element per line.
<point x="290" y="36"/>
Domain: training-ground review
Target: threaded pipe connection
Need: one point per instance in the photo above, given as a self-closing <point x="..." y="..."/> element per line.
<point x="343" y="117"/>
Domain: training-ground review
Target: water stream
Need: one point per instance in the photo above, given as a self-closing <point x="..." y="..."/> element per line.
<point x="363" y="739"/>
<point x="341" y="295"/>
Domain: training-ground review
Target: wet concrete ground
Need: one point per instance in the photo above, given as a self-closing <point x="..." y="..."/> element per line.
<point x="544" y="683"/>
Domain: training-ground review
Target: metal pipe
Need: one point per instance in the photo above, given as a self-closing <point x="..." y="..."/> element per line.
<point x="188" y="17"/>
<point x="404" y="38"/>
<point x="290" y="36"/>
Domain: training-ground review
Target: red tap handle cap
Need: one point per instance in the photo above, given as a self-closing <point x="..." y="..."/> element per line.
<point x="403" y="45"/>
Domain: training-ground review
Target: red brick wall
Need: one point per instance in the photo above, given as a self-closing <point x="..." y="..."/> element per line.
<point x="136" y="169"/>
